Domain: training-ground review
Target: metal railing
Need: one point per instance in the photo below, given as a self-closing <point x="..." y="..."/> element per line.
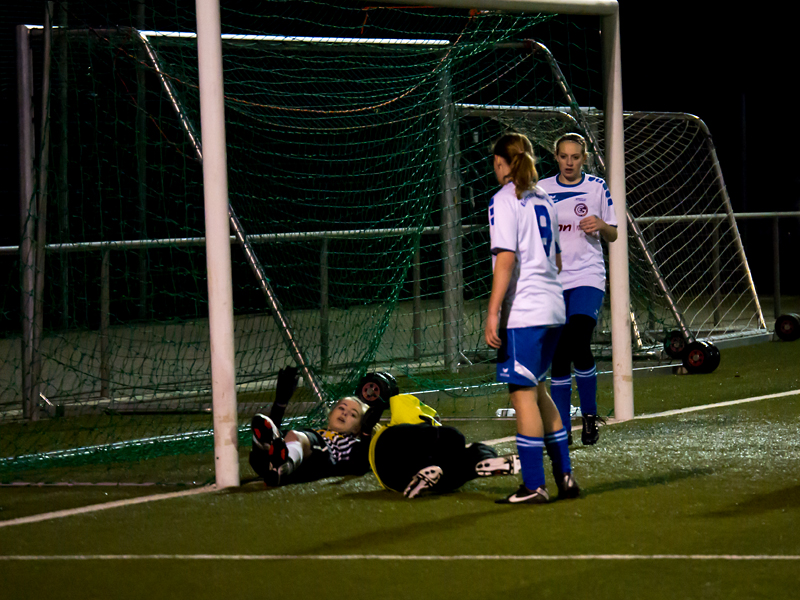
<point x="325" y="237"/>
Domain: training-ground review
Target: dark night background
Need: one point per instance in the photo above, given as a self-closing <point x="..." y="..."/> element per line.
<point x="732" y="69"/>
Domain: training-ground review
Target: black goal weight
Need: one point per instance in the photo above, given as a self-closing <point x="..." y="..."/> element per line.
<point x="374" y="386"/>
<point x="787" y="327"/>
<point x="674" y="344"/>
<point x="701" y="357"/>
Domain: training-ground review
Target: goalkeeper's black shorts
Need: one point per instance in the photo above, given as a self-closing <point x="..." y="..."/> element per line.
<point x="402" y="450"/>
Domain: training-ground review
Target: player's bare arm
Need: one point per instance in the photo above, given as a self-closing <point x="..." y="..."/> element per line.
<point x="503" y="268"/>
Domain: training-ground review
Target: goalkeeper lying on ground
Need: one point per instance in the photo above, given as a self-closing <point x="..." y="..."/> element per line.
<point x="413" y="453"/>
<point x="294" y="456"/>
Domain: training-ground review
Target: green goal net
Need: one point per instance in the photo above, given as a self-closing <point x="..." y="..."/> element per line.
<point x="351" y="172"/>
<point x="358" y="142"/>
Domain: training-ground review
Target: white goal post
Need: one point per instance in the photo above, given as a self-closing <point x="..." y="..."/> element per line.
<point x="217" y="208"/>
<point x="220" y="286"/>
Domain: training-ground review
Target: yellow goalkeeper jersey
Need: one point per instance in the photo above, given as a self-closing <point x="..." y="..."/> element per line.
<point x="406" y="409"/>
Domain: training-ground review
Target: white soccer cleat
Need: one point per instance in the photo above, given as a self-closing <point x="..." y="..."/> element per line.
<point x="424" y="479"/>
<point x="525" y="496"/>
<point x="499" y="465"/>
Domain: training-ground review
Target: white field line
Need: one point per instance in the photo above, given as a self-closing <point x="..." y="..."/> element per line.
<point x="680" y="411"/>
<point x="669" y="413"/>
<point x="404" y="557"/>
<point x="97" y="507"/>
<point x="120" y="503"/>
<point x="19" y="484"/>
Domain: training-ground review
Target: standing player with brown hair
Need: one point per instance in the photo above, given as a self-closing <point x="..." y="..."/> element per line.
<point x="526" y="313"/>
<point x="585" y="216"/>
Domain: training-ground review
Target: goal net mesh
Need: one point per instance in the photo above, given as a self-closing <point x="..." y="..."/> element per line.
<point x="359" y="169"/>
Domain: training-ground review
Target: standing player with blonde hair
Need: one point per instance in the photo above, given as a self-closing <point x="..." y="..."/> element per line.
<point x="585" y="216"/>
<point x="526" y="314"/>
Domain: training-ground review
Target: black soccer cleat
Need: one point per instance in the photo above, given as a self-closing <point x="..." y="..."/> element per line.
<point x="567" y="486"/>
<point x="278" y="453"/>
<point x="264" y="432"/>
<point x="424" y="479"/>
<point x="272" y="478"/>
<point x="276" y="476"/>
<point x="525" y="496"/>
<point x="499" y="465"/>
<point x="591" y="433"/>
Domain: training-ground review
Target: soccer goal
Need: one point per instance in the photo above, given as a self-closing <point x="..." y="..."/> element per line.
<point x="354" y="216"/>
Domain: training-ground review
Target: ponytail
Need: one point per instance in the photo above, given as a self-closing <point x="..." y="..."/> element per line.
<point x="517" y="151"/>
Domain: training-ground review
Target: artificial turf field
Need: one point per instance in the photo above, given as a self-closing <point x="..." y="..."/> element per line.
<point x="701" y="504"/>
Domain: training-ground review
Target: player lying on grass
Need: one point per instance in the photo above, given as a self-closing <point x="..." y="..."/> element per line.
<point x="293" y="456"/>
<point x="414" y="452"/>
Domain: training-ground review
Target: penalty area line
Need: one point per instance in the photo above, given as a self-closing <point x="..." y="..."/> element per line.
<point x="669" y="413"/>
<point x="406" y="557"/>
<point x="680" y="411"/>
<point x="105" y="506"/>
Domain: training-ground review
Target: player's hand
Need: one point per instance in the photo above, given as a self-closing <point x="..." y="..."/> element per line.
<point x="592" y="225"/>
<point x="491" y="332"/>
<point x="287" y="384"/>
<point x="378" y="403"/>
<point x="371" y="418"/>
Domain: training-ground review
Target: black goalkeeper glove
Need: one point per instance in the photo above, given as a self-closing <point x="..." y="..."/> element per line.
<point x="287" y="384"/>
<point x="371" y="418"/>
<point x="284" y="389"/>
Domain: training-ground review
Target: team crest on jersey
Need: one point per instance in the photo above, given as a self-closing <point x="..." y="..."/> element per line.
<point x="581" y="209"/>
<point x="328" y="434"/>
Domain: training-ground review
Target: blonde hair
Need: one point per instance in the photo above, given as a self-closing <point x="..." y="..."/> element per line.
<point x="517" y="151"/>
<point x="576" y="138"/>
<point x="362" y="406"/>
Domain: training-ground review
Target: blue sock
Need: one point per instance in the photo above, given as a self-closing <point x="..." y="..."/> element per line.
<point x="558" y="451"/>
<point x="531" y="456"/>
<point x="587" y="390"/>
<point x="561" y="391"/>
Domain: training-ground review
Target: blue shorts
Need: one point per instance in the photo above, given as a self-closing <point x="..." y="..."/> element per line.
<point x="584" y="300"/>
<point x="526" y="354"/>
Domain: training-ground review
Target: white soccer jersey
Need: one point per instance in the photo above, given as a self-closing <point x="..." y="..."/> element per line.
<point x="581" y="254"/>
<point x="529" y="228"/>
